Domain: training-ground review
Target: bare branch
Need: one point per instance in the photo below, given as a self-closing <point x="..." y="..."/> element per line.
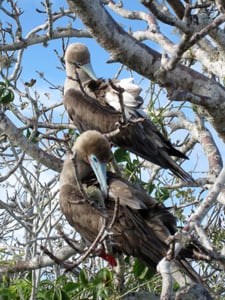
<point x="37" y="262"/>
<point x="178" y="7"/>
<point x="16" y="137"/>
<point x="209" y="201"/>
<point x="3" y="178"/>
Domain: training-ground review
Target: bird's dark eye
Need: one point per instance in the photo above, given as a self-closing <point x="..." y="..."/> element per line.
<point x="78" y="64"/>
<point x="94" y="158"/>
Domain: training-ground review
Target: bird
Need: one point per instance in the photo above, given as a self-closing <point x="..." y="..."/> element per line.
<point x="113" y="107"/>
<point x="142" y="225"/>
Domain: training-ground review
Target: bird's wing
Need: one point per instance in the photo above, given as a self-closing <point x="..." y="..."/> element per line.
<point x="86" y="113"/>
<point x="128" y="194"/>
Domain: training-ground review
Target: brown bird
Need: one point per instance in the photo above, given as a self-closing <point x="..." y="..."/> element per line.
<point x="141" y="226"/>
<point x="114" y="106"/>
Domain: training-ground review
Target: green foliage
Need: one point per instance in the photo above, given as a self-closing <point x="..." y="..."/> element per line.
<point x="86" y="286"/>
<point x="149" y="187"/>
<point x="159" y="192"/>
<point x="141" y="271"/>
<point x="132" y="171"/>
<point x="100" y="285"/>
<point x="121" y="155"/>
<point x="162" y="194"/>
<point x="57" y="290"/>
<point x="185" y="195"/>
<point x="132" y="168"/>
<point x="6" y="94"/>
<point x="16" y="290"/>
<point x="184" y="203"/>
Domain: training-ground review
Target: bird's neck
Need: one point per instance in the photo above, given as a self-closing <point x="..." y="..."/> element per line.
<point x="73" y="170"/>
<point x="75" y="78"/>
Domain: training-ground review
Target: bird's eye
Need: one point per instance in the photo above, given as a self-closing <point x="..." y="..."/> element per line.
<point x="94" y="158"/>
<point x="78" y="64"/>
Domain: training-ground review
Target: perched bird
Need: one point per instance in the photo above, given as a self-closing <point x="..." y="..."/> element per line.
<point x="141" y="224"/>
<point x="113" y="107"/>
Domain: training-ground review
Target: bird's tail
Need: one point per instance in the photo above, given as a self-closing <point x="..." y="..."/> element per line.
<point x="178" y="171"/>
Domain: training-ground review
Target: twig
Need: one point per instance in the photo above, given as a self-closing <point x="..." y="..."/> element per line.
<point x="15" y="217"/>
<point x="121" y="126"/>
<point x="79" y="82"/>
<point x="203" y="238"/>
<point x="52" y="256"/>
<point x="112" y="133"/>
<point x="16" y="137"/>
<point x="50" y="21"/>
<point x="78" y="182"/>
<point x="120" y="92"/>
<point x="67" y="240"/>
<point x="199" y="35"/>
<point x="115" y="213"/>
<point x="65" y="140"/>
<point x="101" y="235"/>
<point x="3" y="178"/>
<point x="109" y="227"/>
<point x="166" y="18"/>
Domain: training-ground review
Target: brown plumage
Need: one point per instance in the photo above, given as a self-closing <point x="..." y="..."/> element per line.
<point x="142" y="225"/>
<point x="94" y="104"/>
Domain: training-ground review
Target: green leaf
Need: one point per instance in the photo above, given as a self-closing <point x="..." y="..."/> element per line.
<point x="103" y="276"/>
<point x="7" y="97"/>
<point x="71" y="131"/>
<point x="149" y="187"/>
<point x="195" y="108"/>
<point x="9" y="293"/>
<point x="41" y="295"/>
<point x="162" y="194"/>
<point x="46" y="283"/>
<point x="141" y="271"/>
<point x="6" y="94"/>
<point x="70" y="287"/>
<point x="121" y="155"/>
<point x="138" y="268"/>
<point x="83" y="277"/>
<point x="56" y="295"/>
<point x="2" y="87"/>
<point x="64" y="295"/>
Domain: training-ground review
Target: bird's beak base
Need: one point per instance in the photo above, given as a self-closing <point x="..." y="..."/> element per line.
<point x="89" y="70"/>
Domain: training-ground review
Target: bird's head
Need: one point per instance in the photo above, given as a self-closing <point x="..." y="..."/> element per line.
<point x="77" y="54"/>
<point x="93" y="148"/>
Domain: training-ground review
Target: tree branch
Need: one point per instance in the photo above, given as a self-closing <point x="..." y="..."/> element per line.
<point x="43" y="38"/>
<point x="38" y="261"/>
<point x="16" y="137"/>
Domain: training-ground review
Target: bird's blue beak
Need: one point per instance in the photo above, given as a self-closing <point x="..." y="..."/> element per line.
<point x="89" y="70"/>
<point x="99" y="169"/>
